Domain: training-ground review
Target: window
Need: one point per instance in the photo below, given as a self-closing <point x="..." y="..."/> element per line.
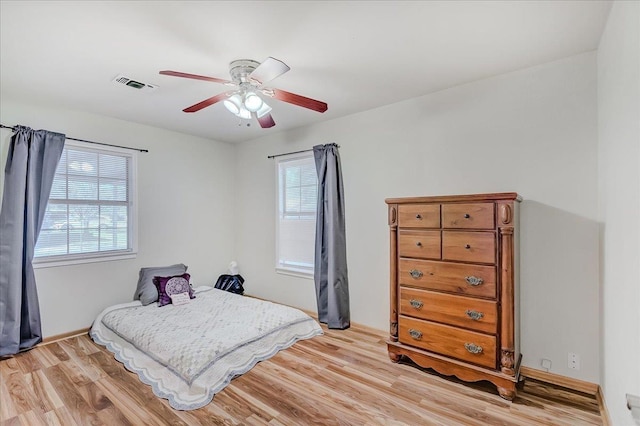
<point x="90" y="214"/>
<point x="296" y="216"/>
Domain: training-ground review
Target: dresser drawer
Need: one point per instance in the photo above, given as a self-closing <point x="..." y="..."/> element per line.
<point x="464" y="246"/>
<point x="470" y="280"/>
<point x="450" y="341"/>
<point x="468" y="216"/>
<point x="419" y="216"/>
<point x="420" y="244"/>
<point x="467" y="312"/>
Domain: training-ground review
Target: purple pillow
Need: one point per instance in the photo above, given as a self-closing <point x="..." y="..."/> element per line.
<point x="168" y="286"/>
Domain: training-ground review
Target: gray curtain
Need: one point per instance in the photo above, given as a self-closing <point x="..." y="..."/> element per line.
<point x="31" y="166"/>
<point x="330" y="274"/>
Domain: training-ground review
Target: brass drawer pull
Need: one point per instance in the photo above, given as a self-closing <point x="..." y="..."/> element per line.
<point x="473" y="348"/>
<point x="416" y="303"/>
<point x="474" y="315"/>
<point x="471" y="280"/>
<point x="415" y="273"/>
<point x="415" y="334"/>
<point x="418" y="216"/>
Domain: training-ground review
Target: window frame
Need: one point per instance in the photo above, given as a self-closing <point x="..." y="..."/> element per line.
<point x="106" y="256"/>
<point x="289" y="270"/>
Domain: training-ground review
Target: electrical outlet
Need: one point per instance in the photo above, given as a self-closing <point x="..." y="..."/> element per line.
<point x="546" y="364"/>
<point x="574" y="361"/>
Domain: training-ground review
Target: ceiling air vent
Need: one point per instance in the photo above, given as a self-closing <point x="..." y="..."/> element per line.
<point x="121" y="79"/>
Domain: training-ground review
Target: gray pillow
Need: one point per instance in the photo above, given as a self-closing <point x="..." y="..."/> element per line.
<point x="146" y="291"/>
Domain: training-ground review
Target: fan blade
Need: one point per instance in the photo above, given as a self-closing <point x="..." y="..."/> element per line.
<point x="196" y="77"/>
<point x="299" y="100"/>
<point x="266" y="121"/>
<point x="268" y="70"/>
<point x="208" y="102"/>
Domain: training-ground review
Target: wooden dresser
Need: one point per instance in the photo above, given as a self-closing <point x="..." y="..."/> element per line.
<point x="454" y="286"/>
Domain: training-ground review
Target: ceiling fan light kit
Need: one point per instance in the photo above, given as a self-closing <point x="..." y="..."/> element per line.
<point x="264" y="109"/>
<point x="244" y="114"/>
<point x="252" y="102"/>
<point x="249" y="77"/>
<point x="233" y="104"/>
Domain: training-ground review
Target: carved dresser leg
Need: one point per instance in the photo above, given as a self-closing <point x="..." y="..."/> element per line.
<point x="507" y="393"/>
<point x="394" y="357"/>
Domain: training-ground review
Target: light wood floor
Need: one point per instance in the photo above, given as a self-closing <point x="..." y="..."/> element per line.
<point x="343" y="377"/>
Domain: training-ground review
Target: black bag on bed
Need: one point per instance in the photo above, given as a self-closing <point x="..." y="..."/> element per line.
<point x="232" y="283"/>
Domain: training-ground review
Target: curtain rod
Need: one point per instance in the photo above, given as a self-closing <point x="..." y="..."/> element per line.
<point x="294" y="152"/>
<point x="83" y="140"/>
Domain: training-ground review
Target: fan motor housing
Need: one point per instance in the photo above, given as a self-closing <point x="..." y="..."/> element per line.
<point x="241" y="68"/>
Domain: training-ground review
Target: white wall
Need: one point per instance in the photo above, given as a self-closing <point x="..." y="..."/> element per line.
<point x="619" y="182"/>
<point x="532" y="131"/>
<point x="185" y="201"/>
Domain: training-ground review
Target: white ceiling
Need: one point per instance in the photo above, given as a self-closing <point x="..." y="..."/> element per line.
<point x="353" y="55"/>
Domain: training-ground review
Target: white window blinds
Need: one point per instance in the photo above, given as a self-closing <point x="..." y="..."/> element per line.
<point x="296" y="216"/>
<point x="90" y="208"/>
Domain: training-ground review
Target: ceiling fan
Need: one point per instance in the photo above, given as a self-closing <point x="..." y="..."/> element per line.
<point x="248" y="77"/>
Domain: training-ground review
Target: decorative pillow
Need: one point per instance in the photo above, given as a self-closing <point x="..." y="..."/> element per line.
<point x="146" y="291"/>
<point x="168" y="286"/>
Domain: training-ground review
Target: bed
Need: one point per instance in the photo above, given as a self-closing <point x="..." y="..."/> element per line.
<point x="190" y="352"/>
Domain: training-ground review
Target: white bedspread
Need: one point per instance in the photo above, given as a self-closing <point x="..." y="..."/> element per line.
<point x="188" y="353"/>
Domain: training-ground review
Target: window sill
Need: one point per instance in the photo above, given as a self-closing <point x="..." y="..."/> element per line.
<point x="67" y="261"/>
<point x="295" y="273"/>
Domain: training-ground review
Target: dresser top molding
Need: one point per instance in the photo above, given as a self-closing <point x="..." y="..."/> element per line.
<point x="447" y="198"/>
